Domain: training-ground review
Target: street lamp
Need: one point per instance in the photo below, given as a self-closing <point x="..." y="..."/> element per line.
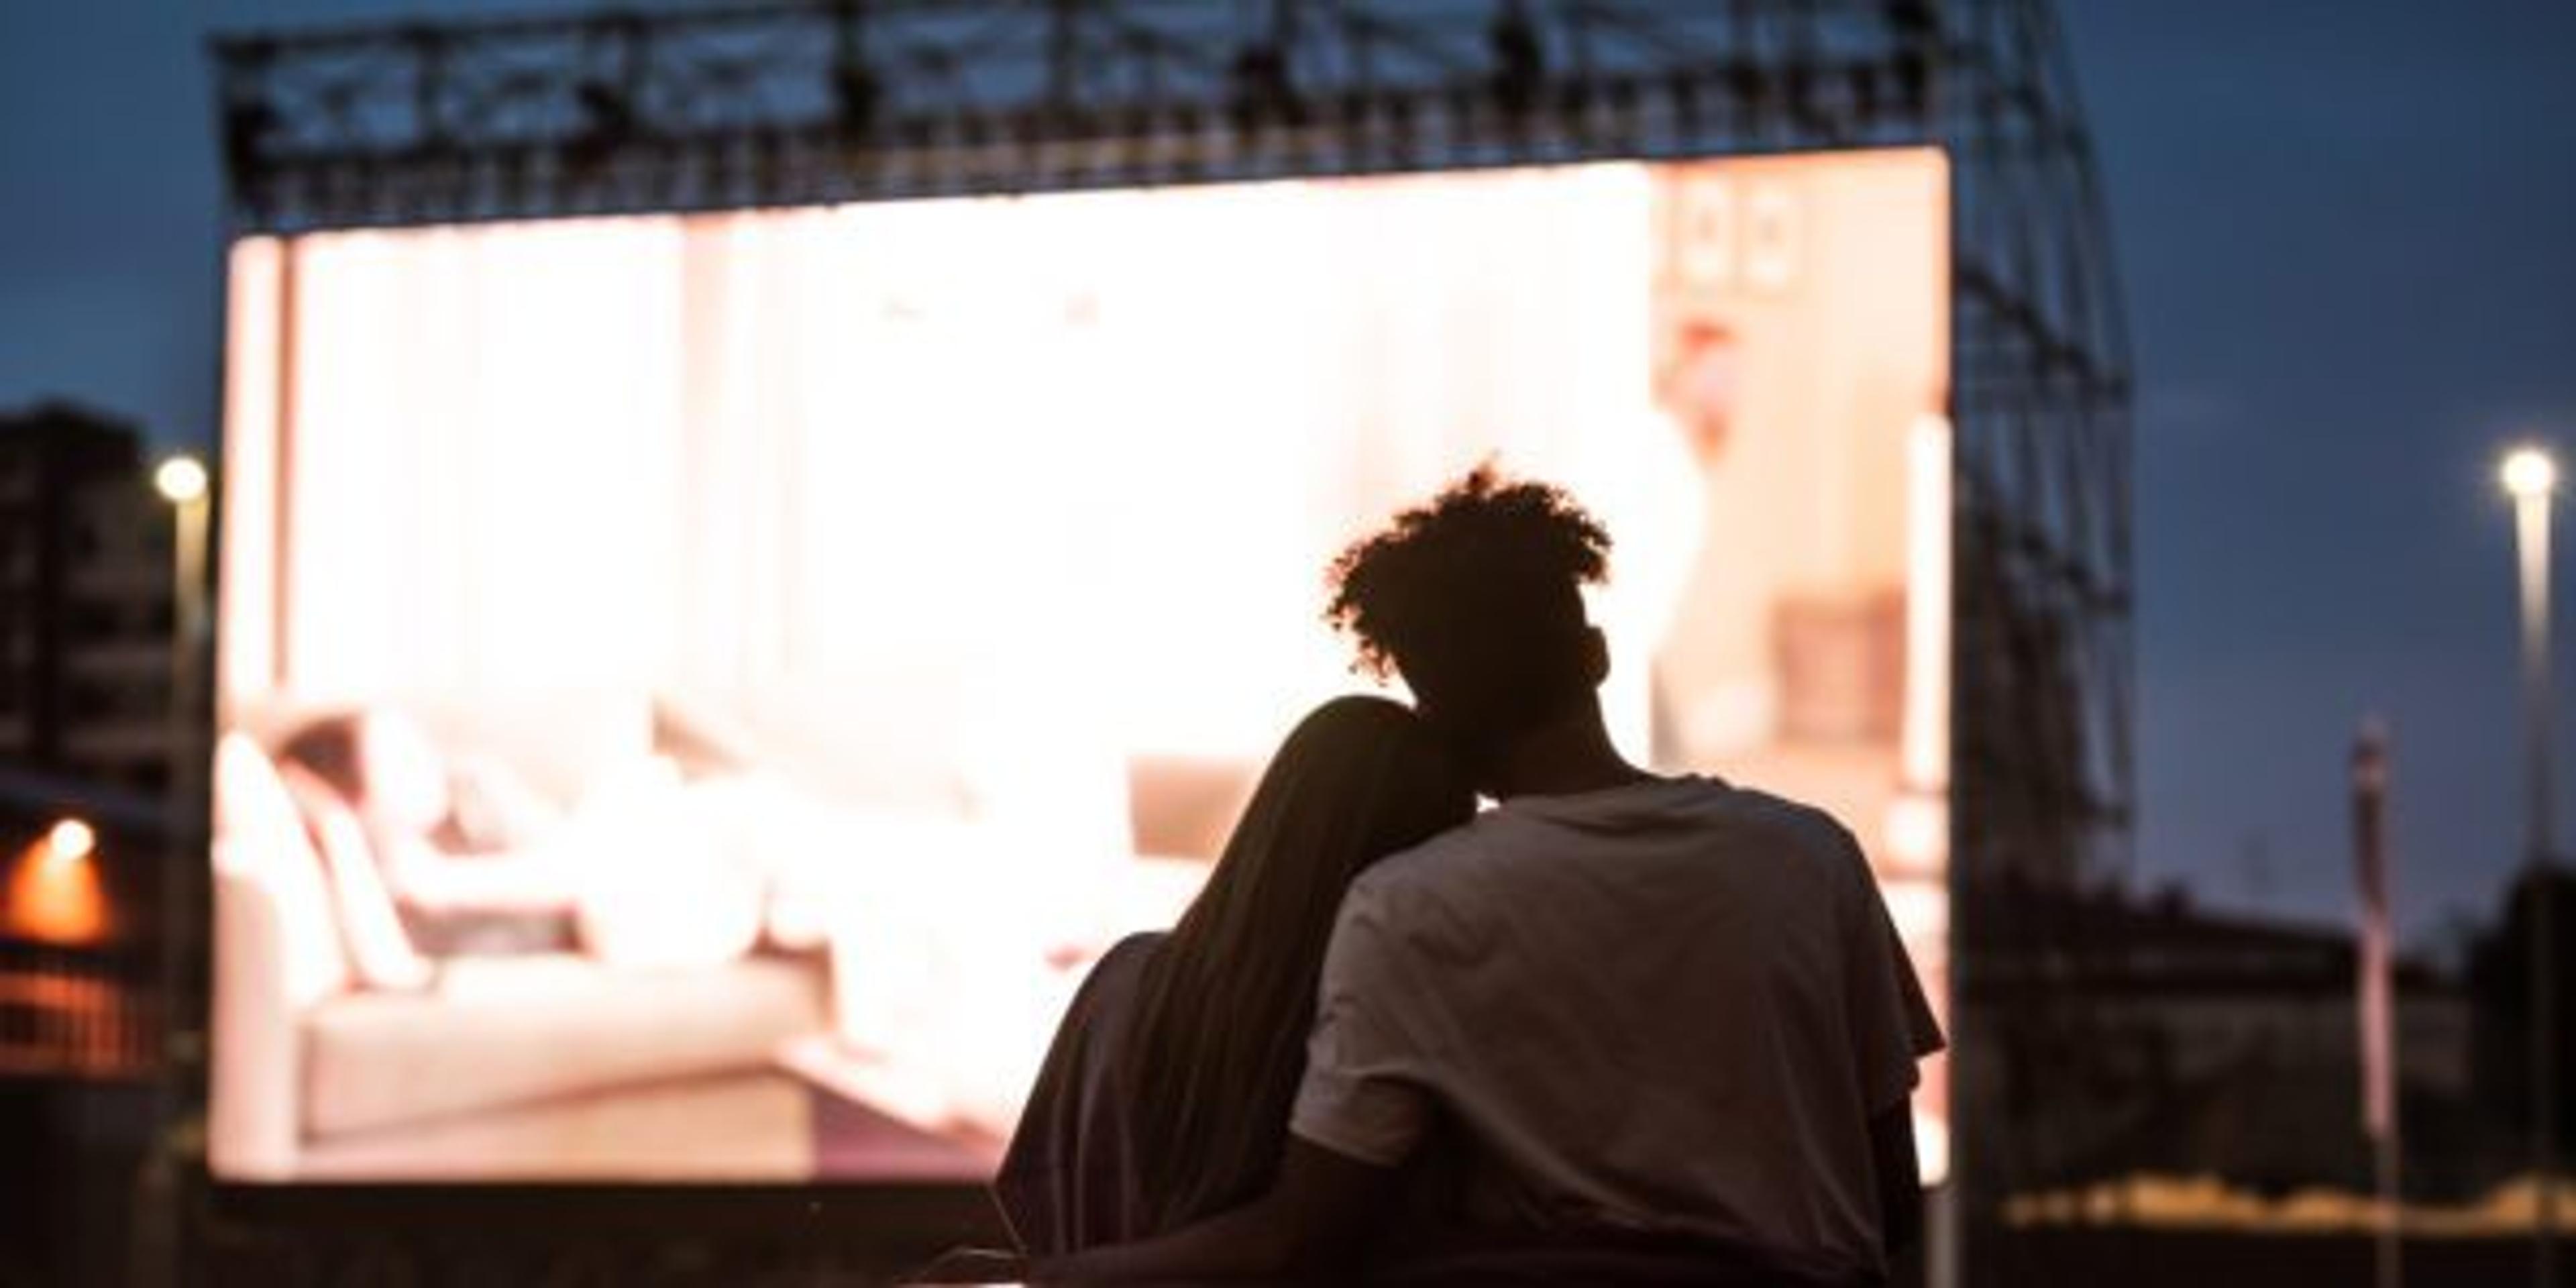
<point x="70" y="841"/>
<point x="2530" y="477"/>
<point x="51" y="891"/>
<point x="182" y="480"/>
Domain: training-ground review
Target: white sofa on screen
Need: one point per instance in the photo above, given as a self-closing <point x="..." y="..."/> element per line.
<point x="546" y="1066"/>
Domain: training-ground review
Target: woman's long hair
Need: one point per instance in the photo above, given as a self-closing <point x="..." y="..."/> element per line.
<point x="1218" y="1043"/>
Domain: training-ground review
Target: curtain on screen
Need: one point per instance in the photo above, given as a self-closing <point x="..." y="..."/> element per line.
<point x="955" y="494"/>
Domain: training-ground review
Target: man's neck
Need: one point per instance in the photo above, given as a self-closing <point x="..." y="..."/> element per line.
<point x="1562" y="758"/>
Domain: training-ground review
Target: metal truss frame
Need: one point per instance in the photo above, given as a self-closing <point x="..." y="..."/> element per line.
<point x="819" y="101"/>
<point x="840" y="100"/>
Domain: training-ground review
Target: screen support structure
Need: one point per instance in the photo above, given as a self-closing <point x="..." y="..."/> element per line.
<point x="791" y="104"/>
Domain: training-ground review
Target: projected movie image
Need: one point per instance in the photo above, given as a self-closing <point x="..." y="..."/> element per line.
<point x="697" y="692"/>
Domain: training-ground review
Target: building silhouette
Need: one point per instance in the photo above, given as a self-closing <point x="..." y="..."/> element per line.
<point x="85" y="601"/>
<point x="2162" y="1037"/>
<point x="86" y="732"/>
<point x="2501" y="979"/>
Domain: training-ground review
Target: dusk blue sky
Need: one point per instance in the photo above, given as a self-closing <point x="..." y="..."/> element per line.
<point x="2348" y="233"/>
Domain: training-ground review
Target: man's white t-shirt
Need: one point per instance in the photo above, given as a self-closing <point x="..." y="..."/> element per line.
<point x="1672" y="1006"/>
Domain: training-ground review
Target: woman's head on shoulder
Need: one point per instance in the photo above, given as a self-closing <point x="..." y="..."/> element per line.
<point x="1367" y="766"/>
<point x="1358" y="779"/>
<point x="1219" y="1042"/>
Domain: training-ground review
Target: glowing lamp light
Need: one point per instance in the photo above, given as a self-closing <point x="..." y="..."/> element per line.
<point x="180" y="480"/>
<point x="54" y="895"/>
<point x="70" y="841"/>
<point x="2528" y="472"/>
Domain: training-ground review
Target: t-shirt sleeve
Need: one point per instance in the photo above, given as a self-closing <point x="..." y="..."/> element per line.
<point x="1891" y="1021"/>
<point x="1355" y="1099"/>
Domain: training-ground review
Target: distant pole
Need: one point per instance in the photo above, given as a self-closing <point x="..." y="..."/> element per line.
<point x="2376" y="967"/>
<point x="2531" y="477"/>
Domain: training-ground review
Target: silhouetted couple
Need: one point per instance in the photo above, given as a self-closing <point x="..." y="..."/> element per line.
<point x="1621" y="1028"/>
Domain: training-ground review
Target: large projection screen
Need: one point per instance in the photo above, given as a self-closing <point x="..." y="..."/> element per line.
<point x="697" y="691"/>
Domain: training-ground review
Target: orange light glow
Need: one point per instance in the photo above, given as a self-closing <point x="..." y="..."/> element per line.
<point x="54" y="892"/>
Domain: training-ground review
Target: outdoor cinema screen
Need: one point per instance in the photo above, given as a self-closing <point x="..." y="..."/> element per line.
<point x="697" y="691"/>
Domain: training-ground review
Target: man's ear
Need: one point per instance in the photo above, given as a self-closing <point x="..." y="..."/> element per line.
<point x="1596" y="655"/>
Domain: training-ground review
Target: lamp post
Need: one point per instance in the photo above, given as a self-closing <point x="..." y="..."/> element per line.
<point x="182" y="481"/>
<point x="2530" y="477"/>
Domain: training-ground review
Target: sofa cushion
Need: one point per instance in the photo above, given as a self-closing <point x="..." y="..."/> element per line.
<point x="512" y="1030"/>
<point x="262" y="840"/>
<point x="379" y="950"/>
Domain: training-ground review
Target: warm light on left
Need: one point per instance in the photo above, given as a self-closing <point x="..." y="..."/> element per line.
<point x="54" y="893"/>
<point x="70" y="841"/>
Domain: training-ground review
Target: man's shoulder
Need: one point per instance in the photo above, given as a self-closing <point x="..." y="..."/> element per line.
<point x="1503" y="849"/>
<point x="1430" y="866"/>
<point x="1792" y="820"/>
<point x="1727" y="813"/>
<point x="1809" y="839"/>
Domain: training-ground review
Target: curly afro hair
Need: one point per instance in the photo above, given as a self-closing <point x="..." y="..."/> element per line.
<point x="1475" y="598"/>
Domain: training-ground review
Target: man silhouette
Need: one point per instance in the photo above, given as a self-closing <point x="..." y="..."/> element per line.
<point x="1640" y="1027"/>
